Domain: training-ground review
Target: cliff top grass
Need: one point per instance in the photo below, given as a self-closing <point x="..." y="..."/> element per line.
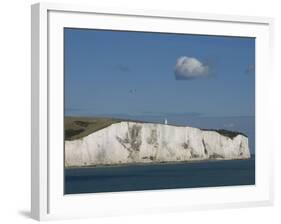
<point x="227" y="133"/>
<point x="79" y="127"/>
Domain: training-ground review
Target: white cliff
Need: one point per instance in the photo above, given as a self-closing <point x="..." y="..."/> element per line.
<point x="131" y="142"/>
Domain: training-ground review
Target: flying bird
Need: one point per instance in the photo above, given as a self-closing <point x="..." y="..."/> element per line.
<point x="132" y="91"/>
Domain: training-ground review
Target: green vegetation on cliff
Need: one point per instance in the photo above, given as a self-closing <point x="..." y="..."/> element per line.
<point x="79" y="127"/>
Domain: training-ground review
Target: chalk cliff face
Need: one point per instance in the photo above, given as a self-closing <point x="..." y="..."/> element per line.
<point x="130" y="142"/>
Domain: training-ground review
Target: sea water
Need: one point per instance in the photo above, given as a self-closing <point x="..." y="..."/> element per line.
<point x="160" y="176"/>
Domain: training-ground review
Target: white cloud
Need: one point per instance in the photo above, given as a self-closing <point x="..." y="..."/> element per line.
<point x="190" y="68"/>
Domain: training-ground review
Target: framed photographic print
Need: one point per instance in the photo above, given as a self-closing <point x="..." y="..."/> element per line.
<point x="138" y="111"/>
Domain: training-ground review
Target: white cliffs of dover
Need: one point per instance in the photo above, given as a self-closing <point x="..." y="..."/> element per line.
<point x="133" y="142"/>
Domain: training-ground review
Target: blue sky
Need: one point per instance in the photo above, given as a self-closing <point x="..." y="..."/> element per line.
<point x="195" y="80"/>
<point x="111" y="72"/>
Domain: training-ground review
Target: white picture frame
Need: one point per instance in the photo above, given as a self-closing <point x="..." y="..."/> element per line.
<point x="47" y="198"/>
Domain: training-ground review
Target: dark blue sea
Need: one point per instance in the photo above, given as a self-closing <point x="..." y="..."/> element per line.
<point x="160" y="176"/>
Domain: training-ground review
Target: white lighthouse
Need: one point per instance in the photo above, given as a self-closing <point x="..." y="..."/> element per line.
<point x="165" y="121"/>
